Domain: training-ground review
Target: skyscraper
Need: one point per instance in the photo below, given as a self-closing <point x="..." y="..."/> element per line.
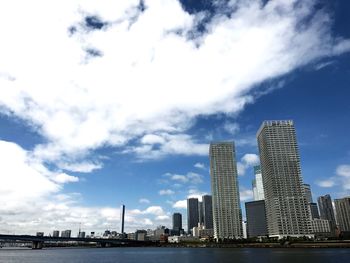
<point x="257" y="184"/>
<point x="200" y="213"/>
<point x="177" y="223"/>
<point x="286" y="206"/>
<point x="326" y="211"/>
<point x="192" y="214"/>
<point x="122" y="216"/>
<point x="312" y="206"/>
<point x="227" y="215"/>
<point x="307" y="192"/>
<point x="342" y="208"/>
<point x="314" y="211"/>
<point x="207" y="211"/>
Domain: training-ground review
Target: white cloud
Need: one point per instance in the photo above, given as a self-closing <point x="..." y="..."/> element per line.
<point x="240" y="169"/>
<point x="47" y="215"/>
<point x="246" y="194"/>
<point x="23" y="178"/>
<point x="190" y="177"/>
<point x="65" y="178"/>
<point x="148" y="78"/>
<point x="343" y="170"/>
<point x="181" y="204"/>
<point x="326" y="183"/>
<point x="31" y="200"/>
<point x="157" y="146"/>
<point x="163" y="218"/>
<point x="322" y="65"/>
<point x="199" y="166"/>
<point x="341" y="178"/>
<point x="154" y="210"/>
<point x="343" y="175"/>
<point x="166" y="192"/>
<point x="84" y="167"/>
<point x="248" y="160"/>
<point x="231" y="128"/>
<point x="152" y="139"/>
<point x="195" y="178"/>
<point x="251" y="159"/>
<point x="144" y="201"/>
<point x="179" y="177"/>
<point x="195" y="193"/>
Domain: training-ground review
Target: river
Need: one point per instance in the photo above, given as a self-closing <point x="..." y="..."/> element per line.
<point x="172" y="255"/>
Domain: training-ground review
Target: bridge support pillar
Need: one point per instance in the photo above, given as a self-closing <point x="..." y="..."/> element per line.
<point x="37" y="244"/>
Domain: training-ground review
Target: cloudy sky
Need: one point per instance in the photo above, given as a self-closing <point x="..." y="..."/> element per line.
<point x="111" y="102"/>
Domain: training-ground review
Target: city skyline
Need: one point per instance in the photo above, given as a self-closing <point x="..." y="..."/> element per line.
<point x="117" y="103"/>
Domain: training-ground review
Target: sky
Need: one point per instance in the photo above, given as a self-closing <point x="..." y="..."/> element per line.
<point x="104" y="103"/>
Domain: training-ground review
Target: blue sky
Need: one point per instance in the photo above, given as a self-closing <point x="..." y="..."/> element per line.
<point x="117" y="102"/>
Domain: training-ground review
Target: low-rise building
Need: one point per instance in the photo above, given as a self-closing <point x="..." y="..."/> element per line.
<point x="179" y="239"/>
<point x="141" y="235"/>
<point x="320" y="227"/>
<point x="206" y="233"/>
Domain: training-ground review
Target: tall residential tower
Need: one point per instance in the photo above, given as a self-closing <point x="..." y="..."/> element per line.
<point x="177" y="223"/>
<point x="326" y="211"/>
<point x="342" y="207"/>
<point x="227" y="215"/>
<point x="192" y="214"/>
<point x="257" y="184"/>
<point x="122" y="216"/>
<point x="207" y="211"/>
<point x="287" y="209"/>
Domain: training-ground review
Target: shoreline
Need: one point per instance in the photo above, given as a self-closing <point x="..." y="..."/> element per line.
<point x="262" y="245"/>
<point x="199" y="246"/>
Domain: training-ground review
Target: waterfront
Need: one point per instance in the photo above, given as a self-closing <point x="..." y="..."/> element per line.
<point x="170" y="255"/>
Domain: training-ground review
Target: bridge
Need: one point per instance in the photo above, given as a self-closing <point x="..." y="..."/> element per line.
<point x="38" y="241"/>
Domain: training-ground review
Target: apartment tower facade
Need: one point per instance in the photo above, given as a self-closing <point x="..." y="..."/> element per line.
<point x="192" y="214"/>
<point x="287" y="209"/>
<point x="326" y="211"/>
<point x="342" y="208"/>
<point x="227" y="215"/>
<point x="208" y="211"/>
<point x="257" y="184"/>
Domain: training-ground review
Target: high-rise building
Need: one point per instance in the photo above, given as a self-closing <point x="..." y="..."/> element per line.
<point x="227" y="215"/>
<point x="256" y="218"/>
<point x="314" y="211"/>
<point x="200" y="213"/>
<point x="177" y="223"/>
<point x="192" y="214"/>
<point x="207" y="211"/>
<point x="342" y="208"/>
<point x="56" y="233"/>
<point x="326" y="211"/>
<point x="307" y="192"/>
<point x="287" y="210"/>
<point x="257" y="184"/>
<point x="312" y="206"/>
<point x="66" y="233"/>
<point x="122" y="216"/>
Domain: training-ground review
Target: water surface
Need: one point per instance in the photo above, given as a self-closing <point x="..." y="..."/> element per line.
<point x="172" y="255"/>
